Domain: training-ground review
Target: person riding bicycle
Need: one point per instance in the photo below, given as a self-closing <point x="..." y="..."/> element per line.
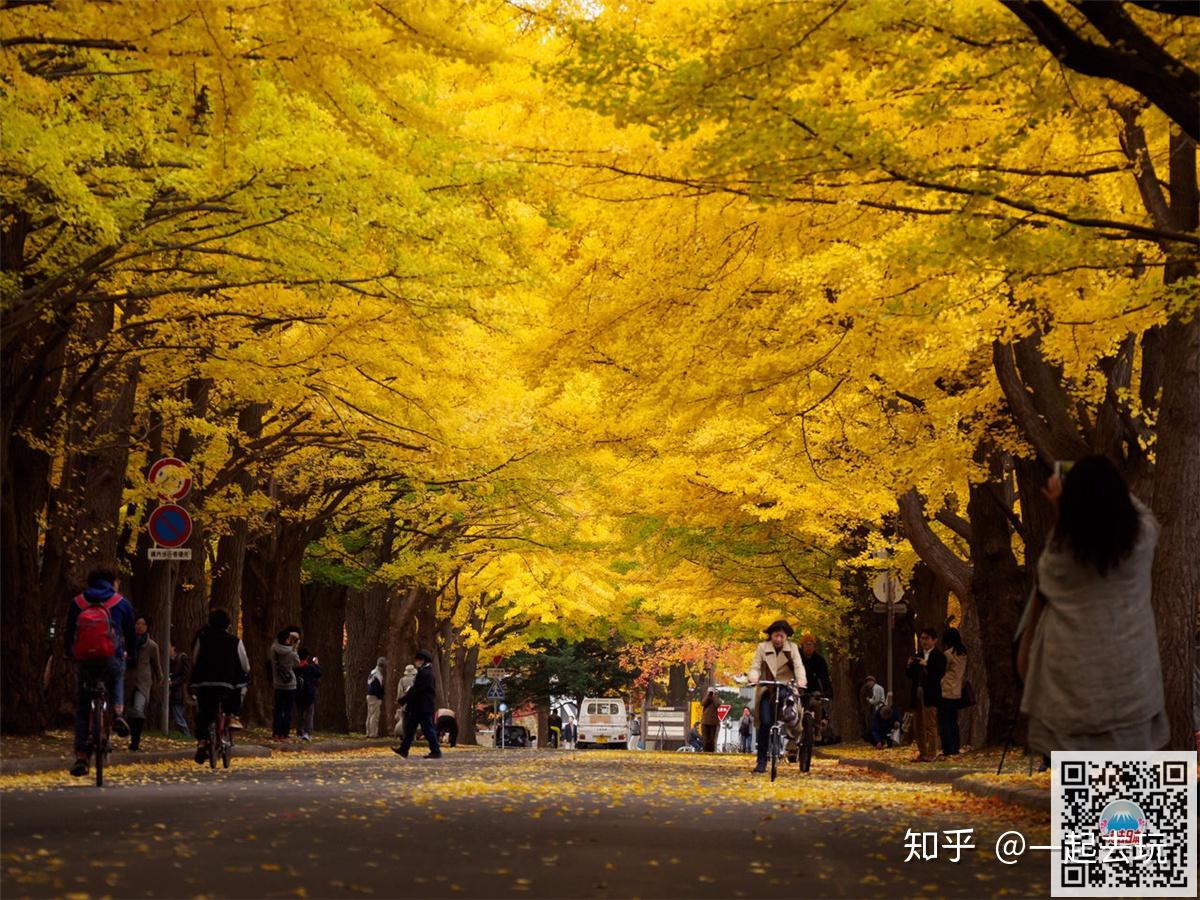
<point x="775" y="659"/>
<point x="816" y="671"/>
<point x="220" y="669"/>
<point x="99" y="628"/>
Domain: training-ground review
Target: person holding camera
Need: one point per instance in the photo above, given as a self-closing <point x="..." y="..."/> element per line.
<point x="925" y="669"/>
<point x="308" y="679"/>
<point x="284" y="660"/>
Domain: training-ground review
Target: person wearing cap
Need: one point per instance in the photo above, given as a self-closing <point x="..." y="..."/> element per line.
<point x="775" y="659"/>
<point x="420" y="704"/>
<point x="375" y="683"/>
<point x="872" y="697"/>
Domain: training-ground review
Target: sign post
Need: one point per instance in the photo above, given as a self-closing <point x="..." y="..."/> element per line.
<point x="888" y="589"/>
<point x="170" y="527"/>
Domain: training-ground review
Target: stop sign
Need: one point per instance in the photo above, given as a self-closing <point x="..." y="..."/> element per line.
<point x="723" y="711"/>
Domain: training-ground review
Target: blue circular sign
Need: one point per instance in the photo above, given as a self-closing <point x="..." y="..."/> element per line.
<point x="170" y="525"/>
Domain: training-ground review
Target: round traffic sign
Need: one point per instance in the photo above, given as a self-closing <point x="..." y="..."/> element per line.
<point x="170" y="479"/>
<point x="170" y="525"/>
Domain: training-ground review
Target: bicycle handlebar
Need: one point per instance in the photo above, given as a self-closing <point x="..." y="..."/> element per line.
<point x="776" y="683"/>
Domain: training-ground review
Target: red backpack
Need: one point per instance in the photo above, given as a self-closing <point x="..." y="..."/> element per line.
<point x="95" y="637"/>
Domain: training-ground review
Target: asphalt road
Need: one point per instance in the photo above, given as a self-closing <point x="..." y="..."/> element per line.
<point x="489" y="823"/>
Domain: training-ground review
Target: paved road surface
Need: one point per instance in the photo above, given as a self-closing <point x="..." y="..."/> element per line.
<point x="487" y="823"/>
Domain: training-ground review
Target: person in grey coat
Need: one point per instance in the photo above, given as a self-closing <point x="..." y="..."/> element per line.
<point x="284" y="660"/>
<point x="1089" y="646"/>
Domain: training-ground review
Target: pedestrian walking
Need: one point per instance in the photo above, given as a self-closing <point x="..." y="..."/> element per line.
<point x="554" y="723"/>
<point x="952" y="688"/>
<point x="284" y="660"/>
<point x="925" y="670"/>
<point x="308" y="680"/>
<point x="1089" y="647"/>
<point x="420" y="702"/>
<point x="147" y="675"/>
<point x="635" y="733"/>
<point x="402" y="687"/>
<point x="179" y="669"/>
<point x="375" y="683"/>
<point x="746" y="730"/>
<point x="570" y="733"/>
<point x="710" y="720"/>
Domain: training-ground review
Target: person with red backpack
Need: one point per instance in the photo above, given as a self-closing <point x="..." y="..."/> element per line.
<point x="99" y="628"/>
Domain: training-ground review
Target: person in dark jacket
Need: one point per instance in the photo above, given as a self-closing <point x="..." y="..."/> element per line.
<point x="710" y="720"/>
<point x="220" y="669"/>
<point x="308" y="679"/>
<point x="102" y="589"/>
<point x="815" y="667"/>
<point x="884" y="722"/>
<point x="925" y="670"/>
<point x="420" y="703"/>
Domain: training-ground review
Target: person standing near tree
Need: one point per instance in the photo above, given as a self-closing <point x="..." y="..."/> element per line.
<point x="926" y="668"/>
<point x="420" y="702"/>
<point x="147" y="674"/>
<point x="710" y="720"/>
<point x="308" y="679"/>
<point x="284" y="660"/>
<point x="375" y="683"/>
<point x="952" y="687"/>
<point x="746" y="730"/>
<point x="1089" y="644"/>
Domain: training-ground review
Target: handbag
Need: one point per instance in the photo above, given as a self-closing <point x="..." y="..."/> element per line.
<point x="968" y="694"/>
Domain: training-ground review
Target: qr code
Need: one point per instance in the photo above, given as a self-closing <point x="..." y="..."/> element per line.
<point x="1124" y="823"/>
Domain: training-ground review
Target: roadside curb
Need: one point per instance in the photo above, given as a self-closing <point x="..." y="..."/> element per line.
<point x="328" y="746"/>
<point x="962" y="780"/>
<point x="1029" y="797"/>
<point x="903" y="773"/>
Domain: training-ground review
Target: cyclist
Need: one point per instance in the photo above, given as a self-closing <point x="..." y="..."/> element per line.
<point x="816" y="672"/>
<point x="775" y="659"/>
<point x="220" y="669"/>
<point x="99" y="628"/>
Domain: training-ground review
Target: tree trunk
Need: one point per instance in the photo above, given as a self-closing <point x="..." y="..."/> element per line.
<point x="401" y="642"/>
<point x="231" y="547"/>
<point x="1177" y="473"/>
<point x="365" y="615"/>
<point x="1176" y="576"/>
<point x="323" y="618"/>
<point x="677" y="688"/>
<point x="999" y="589"/>
<point x="26" y="619"/>
<point x="271" y="601"/>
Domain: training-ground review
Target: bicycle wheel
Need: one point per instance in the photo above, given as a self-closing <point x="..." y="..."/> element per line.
<point x="806" y="744"/>
<point x="98" y="748"/>
<point x="226" y="748"/>
<point x="213" y="747"/>
<point x="775" y="752"/>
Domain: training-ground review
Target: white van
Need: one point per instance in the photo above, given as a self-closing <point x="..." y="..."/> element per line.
<point x="602" y="723"/>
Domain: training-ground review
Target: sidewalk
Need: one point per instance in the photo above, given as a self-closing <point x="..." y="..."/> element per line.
<point x="1019" y="789"/>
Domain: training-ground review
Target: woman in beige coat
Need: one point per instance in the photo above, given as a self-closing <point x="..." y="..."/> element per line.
<point x="402" y="687"/>
<point x="952" y="688"/>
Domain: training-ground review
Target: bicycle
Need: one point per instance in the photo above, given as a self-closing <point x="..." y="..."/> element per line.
<point x="775" y="739"/>
<point x="812" y="701"/>
<point x="220" y="738"/>
<point x="99" y="726"/>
